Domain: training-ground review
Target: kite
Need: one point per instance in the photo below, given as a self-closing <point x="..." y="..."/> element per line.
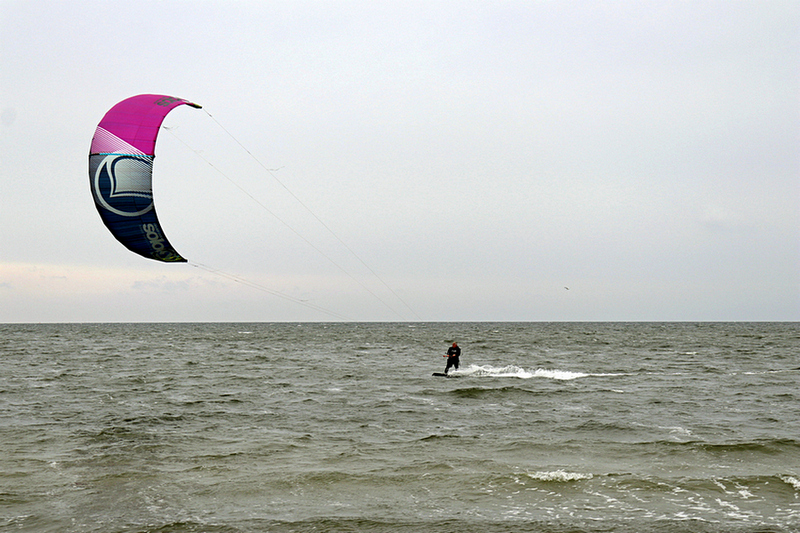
<point x="121" y="173"/>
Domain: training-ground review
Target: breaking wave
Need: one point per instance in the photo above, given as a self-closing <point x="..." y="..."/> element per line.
<point x="791" y="480"/>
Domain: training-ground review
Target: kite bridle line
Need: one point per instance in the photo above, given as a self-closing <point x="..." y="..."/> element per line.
<point x="262" y="288"/>
<point x="271" y="172"/>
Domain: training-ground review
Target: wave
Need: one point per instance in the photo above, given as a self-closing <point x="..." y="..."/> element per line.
<point x="460" y="525"/>
<point x="791" y="480"/>
<point x="768" y="447"/>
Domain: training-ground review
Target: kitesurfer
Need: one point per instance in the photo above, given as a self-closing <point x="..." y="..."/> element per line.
<point x="452" y="355"/>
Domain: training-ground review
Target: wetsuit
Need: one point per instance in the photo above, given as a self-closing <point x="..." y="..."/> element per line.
<point x="452" y="358"/>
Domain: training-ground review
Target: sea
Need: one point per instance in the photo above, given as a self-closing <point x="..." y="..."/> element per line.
<point x="341" y="427"/>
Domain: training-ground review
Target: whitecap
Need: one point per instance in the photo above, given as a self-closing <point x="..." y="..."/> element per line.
<point x="791" y="480"/>
<point x="677" y="430"/>
<point x="559" y="475"/>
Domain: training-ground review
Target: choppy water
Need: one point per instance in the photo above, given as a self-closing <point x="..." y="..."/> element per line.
<point x="341" y="427"/>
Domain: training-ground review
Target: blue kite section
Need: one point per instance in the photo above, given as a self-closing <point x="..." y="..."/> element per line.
<point x="121" y="186"/>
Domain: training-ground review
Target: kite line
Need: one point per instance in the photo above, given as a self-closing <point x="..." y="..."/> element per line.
<point x="260" y="204"/>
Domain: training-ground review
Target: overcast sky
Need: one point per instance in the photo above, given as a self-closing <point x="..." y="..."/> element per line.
<point x="400" y="160"/>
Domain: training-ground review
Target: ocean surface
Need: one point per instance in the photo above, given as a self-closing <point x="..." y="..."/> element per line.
<point x="549" y="427"/>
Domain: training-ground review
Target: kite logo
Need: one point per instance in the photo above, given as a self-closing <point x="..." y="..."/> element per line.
<point x="153" y="235"/>
<point x="122" y="184"/>
<point x="158" y="242"/>
<point x="161" y="249"/>
<point x="167" y="101"/>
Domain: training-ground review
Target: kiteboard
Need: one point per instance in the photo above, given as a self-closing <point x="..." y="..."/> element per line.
<point x="443" y="375"/>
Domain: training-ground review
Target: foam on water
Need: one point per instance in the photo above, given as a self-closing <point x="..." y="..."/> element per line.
<point x="559" y="475"/>
<point x="512" y="371"/>
<point x="792" y="480"/>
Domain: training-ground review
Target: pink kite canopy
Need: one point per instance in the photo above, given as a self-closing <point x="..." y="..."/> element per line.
<point x="134" y="121"/>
